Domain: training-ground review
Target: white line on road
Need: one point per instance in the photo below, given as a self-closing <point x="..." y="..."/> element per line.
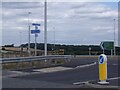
<point x="78" y="83"/>
<point x="113" y="78"/>
<point x="114" y="64"/>
<point x="54" y="69"/>
<point x="82" y="66"/>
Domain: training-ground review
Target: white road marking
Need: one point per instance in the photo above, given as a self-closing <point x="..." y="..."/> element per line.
<point x="55" y="69"/>
<point x="82" y="66"/>
<point x="78" y="83"/>
<point x="113" y="78"/>
<point x="52" y="69"/>
<point x="114" y="64"/>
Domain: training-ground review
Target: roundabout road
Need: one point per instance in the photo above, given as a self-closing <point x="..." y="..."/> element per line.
<point x="64" y="78"/>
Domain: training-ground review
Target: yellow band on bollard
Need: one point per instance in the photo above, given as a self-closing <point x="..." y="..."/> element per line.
<point x="102" y="72"/>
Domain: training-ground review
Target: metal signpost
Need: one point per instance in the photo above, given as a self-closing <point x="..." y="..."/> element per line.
<point x="89" y="51"/>
<point x="29" y="34"/>
<point x="36" y="31"/>
<point x="45" y="27"/>
<point x="107" y="45"/>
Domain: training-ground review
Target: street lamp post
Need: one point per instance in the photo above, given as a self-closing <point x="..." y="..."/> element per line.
<point x="114" y="39"/>
<point x="29" y="34"/>
<point x="20" y="44"/>
<point x="45" y="28"/>
<point x="54" y="37"/>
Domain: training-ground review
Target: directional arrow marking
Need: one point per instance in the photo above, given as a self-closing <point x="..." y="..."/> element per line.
<point x="101" y="45"/>
<point x="101" y="60"/>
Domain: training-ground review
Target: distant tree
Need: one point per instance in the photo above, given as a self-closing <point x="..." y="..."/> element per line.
<point x="3" y="48"/>
<point x="73" y="49"/>
<point x="12" y="45"/>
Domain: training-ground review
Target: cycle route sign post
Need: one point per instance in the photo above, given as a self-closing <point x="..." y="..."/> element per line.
<point x="36" y="31"/>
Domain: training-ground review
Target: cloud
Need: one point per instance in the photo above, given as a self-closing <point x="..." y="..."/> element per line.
<point x="21" y="5"/>
<point x="92" y="10"/>
<point x="102" y="28"/>
<point x="74" y="23"/>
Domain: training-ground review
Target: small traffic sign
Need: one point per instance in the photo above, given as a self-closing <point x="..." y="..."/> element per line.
<point x="101" y="60"/>
<point x="35" y="31"/>
<point x="101" y="45"/>
<point x="35" y="24"/>
<point x="107" y="45"/>
<point x="89" y="48"/>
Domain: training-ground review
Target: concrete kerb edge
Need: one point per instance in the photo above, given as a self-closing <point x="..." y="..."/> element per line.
<point x="89" y="84"/>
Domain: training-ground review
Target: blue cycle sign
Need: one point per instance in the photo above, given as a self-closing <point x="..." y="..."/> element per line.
<point x="101" y="59"/>
<point x="36" y="29"/>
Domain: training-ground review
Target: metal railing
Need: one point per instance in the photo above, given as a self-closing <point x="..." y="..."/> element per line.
<point x="35" y="58"/>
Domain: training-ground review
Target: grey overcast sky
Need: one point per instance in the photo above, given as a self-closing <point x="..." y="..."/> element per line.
<point x="81" y="23"/>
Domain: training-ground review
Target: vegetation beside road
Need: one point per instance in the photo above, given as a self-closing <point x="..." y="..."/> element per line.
<point x="70" y="49"/>
<point x="74" y="49"/>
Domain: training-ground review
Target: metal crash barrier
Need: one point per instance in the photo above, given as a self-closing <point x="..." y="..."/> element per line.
<point x="34" y="62"/>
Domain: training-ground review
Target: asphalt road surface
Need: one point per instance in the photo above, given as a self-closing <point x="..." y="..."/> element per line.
<point x="64" y="78"/>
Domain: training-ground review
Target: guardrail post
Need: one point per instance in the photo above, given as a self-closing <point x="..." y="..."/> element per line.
<point x="17" y="64"/>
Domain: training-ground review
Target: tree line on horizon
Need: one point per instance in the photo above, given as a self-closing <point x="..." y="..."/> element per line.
<point x="73" y="49"/>
<point x="70" y="49"/>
